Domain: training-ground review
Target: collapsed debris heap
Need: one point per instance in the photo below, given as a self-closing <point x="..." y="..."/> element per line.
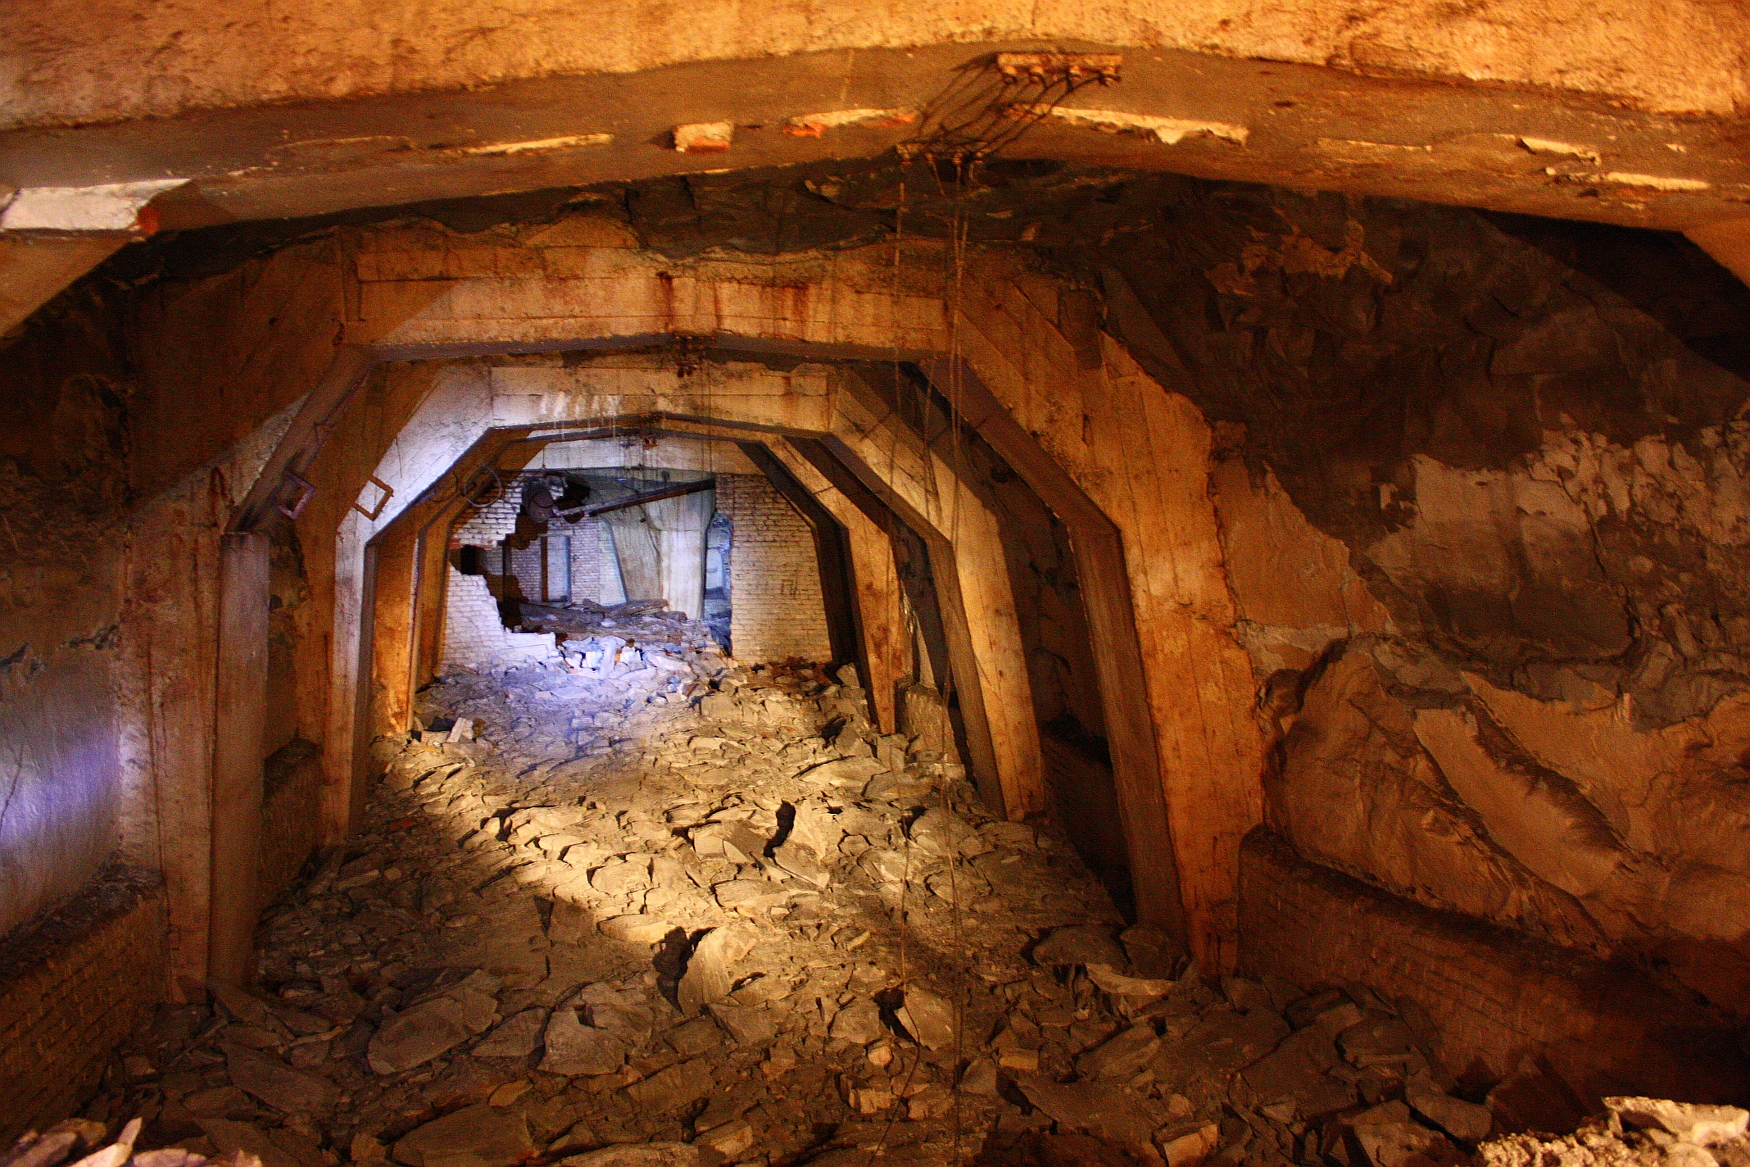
<point x="653" y="906"/>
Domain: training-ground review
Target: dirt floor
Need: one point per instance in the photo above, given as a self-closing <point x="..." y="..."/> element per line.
<point x="666" y="909"/>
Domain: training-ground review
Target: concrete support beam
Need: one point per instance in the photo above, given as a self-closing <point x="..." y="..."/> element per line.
<point x="1728" y="242"/>
<point x="52" y="235"/>
<point x="33" y="269"/>
<point x="238" y="731"/>
<point x="392" y="624"/>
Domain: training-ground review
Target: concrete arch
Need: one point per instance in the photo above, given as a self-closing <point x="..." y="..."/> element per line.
<point x="1070" y="424"/>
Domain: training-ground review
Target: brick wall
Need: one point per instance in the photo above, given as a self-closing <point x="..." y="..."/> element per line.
<point x="586" y="560"/>
<point x="776" y="610"/>
<point x="71" y="990"/>
<point x="475" y="637"/>
<point x="1494" y="995"/>
<point x="774" y="578"/>
<point x="523" y="564"/>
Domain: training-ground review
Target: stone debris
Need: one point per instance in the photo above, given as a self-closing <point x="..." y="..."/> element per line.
<point x="1633" y="1132"/>
<point x="655" y="908"/>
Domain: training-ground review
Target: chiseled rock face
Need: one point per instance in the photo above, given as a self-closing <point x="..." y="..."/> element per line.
<point x="1484" y="492"/>
<point x="1564" y="822"/>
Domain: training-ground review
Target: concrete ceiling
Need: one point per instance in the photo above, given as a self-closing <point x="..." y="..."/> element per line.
<point x="1543" y="152"/>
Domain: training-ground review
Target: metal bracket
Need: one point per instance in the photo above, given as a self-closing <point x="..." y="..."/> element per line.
<point x="388" y="493"/>
<point x="306" y="492"/>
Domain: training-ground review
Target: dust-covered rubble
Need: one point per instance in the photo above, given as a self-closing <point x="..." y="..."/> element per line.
<point x="654" y="907"/>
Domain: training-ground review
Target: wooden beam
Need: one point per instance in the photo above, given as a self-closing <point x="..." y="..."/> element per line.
<point x="238" y="732"/>
<point x="283" y="481"/>
<point x="392" y="620"/>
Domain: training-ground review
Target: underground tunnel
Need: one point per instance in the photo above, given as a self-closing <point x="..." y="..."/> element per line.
<point x="1152" y="589"/>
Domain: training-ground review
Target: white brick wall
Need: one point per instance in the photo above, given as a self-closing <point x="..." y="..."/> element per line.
<point x="474" y="636"/>
<point x="776" y="611"/>
<point x="774" y="578"/>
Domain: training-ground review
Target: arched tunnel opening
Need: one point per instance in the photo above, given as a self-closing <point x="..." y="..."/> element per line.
<point x="990" y="629"/>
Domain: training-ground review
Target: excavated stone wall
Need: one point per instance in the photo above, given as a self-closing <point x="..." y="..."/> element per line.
<point x="1485" y="519"/>
<point x="64" y="549"/>
<point x="1495" y="997"/>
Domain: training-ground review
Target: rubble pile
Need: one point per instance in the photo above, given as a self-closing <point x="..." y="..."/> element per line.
<point x="1634" y="1132"/>
<point x="660" y="908"/>
<point x="645" y="625"/>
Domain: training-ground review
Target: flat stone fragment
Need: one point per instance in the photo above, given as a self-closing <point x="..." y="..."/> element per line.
<point x="241" y="1137"/>
<point x="802" y="863"/>
<point x="707" y="978"/>
<point x="670" y="1089"/>
<point x="928" y="1018"/>
<point x="639" y="1155"/>
<point x="574" y="1048"/>
<point x="858" y="1023"/>
<point x="747" y="1024"/>
<point x="515" y="1038"/>
<point x="475" y="1136"/>
<point x="1188" y="1148"/>
<point x="1121" y="1055"/>
<point x="730" y="1140"/>
<point x="1082" y="944"/>
<point x="432" y="1027"/>
<point x="1458" y="1118"/>
<point x="277" y="1084"/>
<point x="1105" y="1111"/>
<point x="635" y="929"/>
<point x="1405" y="1144"/>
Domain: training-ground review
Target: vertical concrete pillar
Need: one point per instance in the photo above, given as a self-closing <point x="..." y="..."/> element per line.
<point x="238" y="731"/>
<point x="680" y="525"/>
<point x="636" y="553"/>
<point x="392" y="617"/>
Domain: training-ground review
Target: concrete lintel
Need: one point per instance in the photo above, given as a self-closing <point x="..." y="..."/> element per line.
<point x="1728" y="242"/>
<point x="1436" y="138"/>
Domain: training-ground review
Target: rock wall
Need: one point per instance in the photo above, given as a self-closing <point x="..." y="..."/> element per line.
<point x="63" y="562"/>
<point x="1485" y="518"/>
